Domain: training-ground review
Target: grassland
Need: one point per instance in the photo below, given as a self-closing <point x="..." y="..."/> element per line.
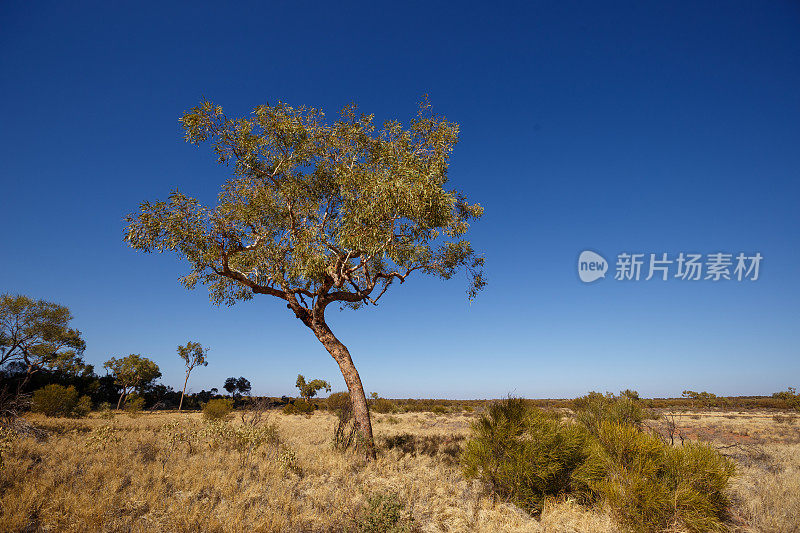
<point x="164" y="472"/>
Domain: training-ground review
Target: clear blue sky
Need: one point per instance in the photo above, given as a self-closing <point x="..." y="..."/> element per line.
<point x="636" y="126"/>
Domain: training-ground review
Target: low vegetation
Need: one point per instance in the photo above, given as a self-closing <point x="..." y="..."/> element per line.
<point x="261" y="470"/>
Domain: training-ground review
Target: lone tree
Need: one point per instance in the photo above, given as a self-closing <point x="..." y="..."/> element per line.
<point x="35" y="334"/>
<point x="193" y="355"/>
<point x="317" y="214"/>
<point x="131" y="372"/>
<point x="237" y="386"/>
<point x="310" y="389"/>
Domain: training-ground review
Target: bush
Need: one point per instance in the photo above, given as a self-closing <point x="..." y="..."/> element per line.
<point x="134" y="405"/>
<point x="385" y="513"/>
<point x="594" y="408"/>
<point x="217" y="409"/>
<point x="524" y="454"/>
<point x="651" y="486"/>
<point x="57" y="400"/>
<point x="299" y="407"/>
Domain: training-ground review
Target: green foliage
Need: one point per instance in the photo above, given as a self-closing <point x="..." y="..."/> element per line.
<point x="594" y="408"/>
<point x="381" y="405"/>
<point x="790" y="396"/>
<point x="385" y="513"/>
<point x="651" y="486"/>
<point x="704" y="399"/>
<point x="132" y="371"/>
<point x="299" y="407"/>
<point x="134" y="405"/>
<point x="218" y="409"/>
<point x="57" y="400"/>
<point x="309" y="389"/>
<point x="524" y="454"/>
<point x="36" y="333"/>
<point x="333" y="212"/>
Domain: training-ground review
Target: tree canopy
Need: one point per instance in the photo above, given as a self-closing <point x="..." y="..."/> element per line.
<point x="36" y="334"/>
<point x="316" y="213"/>
<point x="309" y="389"/>
<point x="132" y="371"/>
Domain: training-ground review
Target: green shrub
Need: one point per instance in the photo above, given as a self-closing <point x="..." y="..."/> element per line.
<point x="218" y="409"/>
<point x="524" y="454"/>
<point x="57" y="400"/>
<point x="651" y="486"/>
<point x="299" y="407"/>
<point x="382" y="405"/>
<point x="594" y="408"/>
<point x="385" y="513"/>
<point x="134" y="405"/>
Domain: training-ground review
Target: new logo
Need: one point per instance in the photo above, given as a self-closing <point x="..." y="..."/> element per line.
<point x="591" y="266"/>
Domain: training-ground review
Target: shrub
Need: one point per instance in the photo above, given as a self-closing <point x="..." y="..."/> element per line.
<point x="524" y="454"/>
<point x="385" y="513"/>
<point x="57" y="400"/>
<point x="217" y="409"/>
<point x="134" y="405"/>
<point x="651" y="486"/>
<point x="594" y="408"/>
<point x="299" y="407"/>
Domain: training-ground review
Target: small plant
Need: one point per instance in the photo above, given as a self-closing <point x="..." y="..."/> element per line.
<point x="385" y="513"/>
<point x="57" y="400"/>
<point x="218" y="409"/>
<point x="7" y="438"/>
<point x="789" y="396"/>
<point x="104" y="436"/>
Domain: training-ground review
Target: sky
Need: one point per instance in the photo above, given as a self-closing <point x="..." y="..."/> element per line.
<point x="615" y="127"/>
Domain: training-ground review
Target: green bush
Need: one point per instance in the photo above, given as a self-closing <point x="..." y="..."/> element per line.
<point x="524" y="454"/>
<point x="385" y="513"/>
<point x="594" y="408"/>
<point x="57" y="400"/>
<point x="651" y="486"/>
<point x="134" y="405"/>
<point x="218" y="409"/>
<point x="299" y="407"/>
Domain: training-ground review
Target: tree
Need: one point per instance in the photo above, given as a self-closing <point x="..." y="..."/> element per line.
<point x="35" y="334"/>
<point x="310" y="389"/>
<point x="318" y="214"/>
<point x="193" y="354"/>
<point x="237" y="386"/>
<point x="131" y="372"/>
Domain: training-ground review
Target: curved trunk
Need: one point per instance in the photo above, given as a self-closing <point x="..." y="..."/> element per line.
<point x="341" y="355"/>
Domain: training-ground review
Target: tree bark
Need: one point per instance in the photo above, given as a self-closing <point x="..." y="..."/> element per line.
<point x="183" y="392"/>
<point x="341" y="355"/>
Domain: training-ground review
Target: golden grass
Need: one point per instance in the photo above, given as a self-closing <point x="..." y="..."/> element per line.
<point x="75" y="481"/>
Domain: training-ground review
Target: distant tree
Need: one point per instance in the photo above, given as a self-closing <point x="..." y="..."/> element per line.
<point x="237" y="387"/>
<point x="193" y="355"/>
<point x="131" y="372"/>
<point x="309" y="389"/>
<point x="318" y="214"/>
<point x="35" y="334"/>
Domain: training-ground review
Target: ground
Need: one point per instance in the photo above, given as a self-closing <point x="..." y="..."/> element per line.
<point x="163" y="472"/>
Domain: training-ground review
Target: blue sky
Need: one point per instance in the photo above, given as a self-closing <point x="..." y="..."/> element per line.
<point x="627" y="126"/>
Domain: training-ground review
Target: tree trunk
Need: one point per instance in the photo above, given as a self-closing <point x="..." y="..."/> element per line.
<point x="341" y="355"/>
<point x="183" y="392"/>
<point x="119" y="402"/>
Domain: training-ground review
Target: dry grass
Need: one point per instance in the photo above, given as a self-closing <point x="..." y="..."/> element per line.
<point x="75" y="481"/>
